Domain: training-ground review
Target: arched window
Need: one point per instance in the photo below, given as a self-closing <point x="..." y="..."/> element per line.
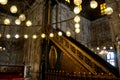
<point x="111" y="58"/>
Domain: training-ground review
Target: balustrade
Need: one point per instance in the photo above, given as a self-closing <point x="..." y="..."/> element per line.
<point x="61" y="40"/>
<point x="84" y="57"/>
<point x="62" y="75"/>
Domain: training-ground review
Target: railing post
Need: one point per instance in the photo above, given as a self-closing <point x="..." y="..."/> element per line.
<point x="60" y="74"/>
<point x="79" y="75"/>
<point x="63" y="75"/>
<point x="67" y="76"/>
<point x="74" y="75"/>
<point x="89" y="76"/>
<point x="102" y="76"/>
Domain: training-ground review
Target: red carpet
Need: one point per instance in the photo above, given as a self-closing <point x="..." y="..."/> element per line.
<point x="10" y="77"/>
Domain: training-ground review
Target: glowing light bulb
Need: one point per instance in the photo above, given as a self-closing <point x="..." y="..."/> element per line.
<point x="68" y="33"/>
<point x="77" y="19"/>
<point x="0" y="35"/>
<point x="77" y="2"/>
<point x="17" y="36"/>
<point x="98" y="48"/>
<point x="77" y="30"/>
<point x="25" y="36"/>
<point x="17" y="21"/>
<point x="104" y="47"/>
<point x="111" y="47"/>
<point x="43" y="35"/>
<point x="3" y="2"/>
<point x="4" y="48"/>
<point x="8" y="36"/>
<point x="34" y="36"/>
<point x="51" y="35"/>
<point x="77" y="25"/>
<point x="13" y="9"/>
<point x="76" y="10"/>
<point x="6" y="21"/>
<point x="93" y="4"/>
<point x="109" y="11"/>
<point x="60" y="33"/>
<point x="22" y="17"/>
<point x="1" y="48"/>
<point x="28" y="23"/>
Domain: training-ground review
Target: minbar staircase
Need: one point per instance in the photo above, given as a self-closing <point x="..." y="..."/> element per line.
<point x="84" y="57"/>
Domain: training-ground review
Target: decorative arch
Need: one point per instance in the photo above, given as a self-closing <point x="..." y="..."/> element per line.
<point x="52" y="57"/>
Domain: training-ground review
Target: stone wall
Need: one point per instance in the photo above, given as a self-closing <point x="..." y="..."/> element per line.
<point x="65" y="14"/>
<point x="118" y="3"/>
<point x="114" y="18"/>
<point x="85" y="34"/>
<point x="100" y="33"/>
<point x="12" y="52"/>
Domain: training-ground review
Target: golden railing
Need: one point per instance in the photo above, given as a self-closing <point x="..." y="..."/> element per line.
<point x="62" y="75"/>
<point x="79" y="55"/>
